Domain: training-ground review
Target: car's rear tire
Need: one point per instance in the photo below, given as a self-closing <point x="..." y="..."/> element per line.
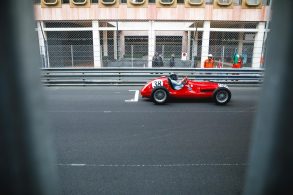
<point x="222" y="96"/>
<point x="160" y="95"/>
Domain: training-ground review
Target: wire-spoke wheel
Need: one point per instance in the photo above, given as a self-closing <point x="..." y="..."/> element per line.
<point x="222" y="96"/>
<point x="160" y="96"/>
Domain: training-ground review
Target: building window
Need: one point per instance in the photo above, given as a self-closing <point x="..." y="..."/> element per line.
<point x="224" y="2"/>
<point x="137" y="2"/>
<point x="167" y="2"/>
<point x="123" y="1"/>
<point x="195" y="2"/>
<point x="109" y="2"/>
<point x="209" y="1"/>
<point x="65" y="1"/>
<point x="252" y="2"/>
<point x="95" y="1"/>
<point x="79" y="2"/>
<point x="180" y="1"/>
<point x="266" y="2"/>
<point x="152" y="1"/>
<point x="50" y="2"/>
<point x="237" y="2"/>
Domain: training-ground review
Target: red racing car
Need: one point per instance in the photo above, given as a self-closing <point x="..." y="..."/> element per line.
<point x="159" y="90"/>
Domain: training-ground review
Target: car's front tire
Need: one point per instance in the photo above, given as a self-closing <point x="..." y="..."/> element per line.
<point x="160" y="95"/>
<point x="222" y="96"/>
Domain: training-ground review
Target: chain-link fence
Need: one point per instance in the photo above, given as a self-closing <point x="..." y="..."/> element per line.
<point x="150" y="44"/>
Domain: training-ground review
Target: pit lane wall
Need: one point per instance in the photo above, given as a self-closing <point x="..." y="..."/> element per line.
<point x="99" y="35"/>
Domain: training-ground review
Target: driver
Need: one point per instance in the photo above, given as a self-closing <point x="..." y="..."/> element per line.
<point x="175" y="83"/>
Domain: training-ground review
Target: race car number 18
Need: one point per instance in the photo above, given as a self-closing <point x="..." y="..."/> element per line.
<point x="157" y="83"/>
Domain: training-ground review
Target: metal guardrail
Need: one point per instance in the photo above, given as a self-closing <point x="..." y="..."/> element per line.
<point x="139" y="76"/>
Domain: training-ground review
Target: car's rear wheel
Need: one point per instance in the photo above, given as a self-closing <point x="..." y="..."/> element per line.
<point x="160" y="96"/>
<point x="222" y="96"/>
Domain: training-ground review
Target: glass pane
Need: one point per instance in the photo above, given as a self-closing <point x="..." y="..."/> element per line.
<point x="137" y="1"/>
<point x="79" y="1"/>
<point x="109" y="1"/>
<point x="209" y="1"/>
<point x="224" y="2"/>
<point x="252" y="2"/>
<point x="50" y="1"/>
<point x="65" y="1"/>
<point x="166" y="1"/>
<point x="237" y="2"/>
<point x="195" y="1"/>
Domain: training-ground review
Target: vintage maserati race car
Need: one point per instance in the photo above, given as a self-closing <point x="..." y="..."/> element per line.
<point x="161" y="89"/>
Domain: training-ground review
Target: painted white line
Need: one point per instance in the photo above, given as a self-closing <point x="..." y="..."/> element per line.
<point x="107" y="111"/>
<point x="77" y="165"/>
<point x="136" y="95"/>
<point x="153" y="111"/>
<point x="160" y="165"/>
<point x="135" y="99"/>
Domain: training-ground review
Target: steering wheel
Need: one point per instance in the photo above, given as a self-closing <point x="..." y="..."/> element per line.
<point x="185" y="80"/>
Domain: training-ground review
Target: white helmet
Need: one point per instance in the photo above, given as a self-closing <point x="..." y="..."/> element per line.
<point x="210" y="56"/>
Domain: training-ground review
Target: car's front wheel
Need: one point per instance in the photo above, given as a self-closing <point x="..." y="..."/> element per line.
<point x="222" y="96"/>
<point x="160" y="95"/>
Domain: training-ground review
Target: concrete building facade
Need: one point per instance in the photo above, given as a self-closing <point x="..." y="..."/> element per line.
<point x="128" y="33"/>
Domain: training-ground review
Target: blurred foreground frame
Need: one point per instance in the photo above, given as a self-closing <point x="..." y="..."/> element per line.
<point x="271" y="157"/>
<point x="27" y="161"/>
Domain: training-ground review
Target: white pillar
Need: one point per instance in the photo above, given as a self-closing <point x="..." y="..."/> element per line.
<point x="205" y="42"/>
<point x="42" y="38"/>
<point x="152" y="43"/>
<point x="258" y="44"/>
<point x="115" y="45"/>
<point x="184" y="41"/>
<point x="122" y="45"/>
<point x="96" y="45"/>
<point x="188" y="44"/>
<point x="240" y="43"/>
<point x="194" y="48"/>
<point x="105" y="43"/>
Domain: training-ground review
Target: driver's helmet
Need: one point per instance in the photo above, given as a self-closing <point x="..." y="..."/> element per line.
<point x="173" y="76"/>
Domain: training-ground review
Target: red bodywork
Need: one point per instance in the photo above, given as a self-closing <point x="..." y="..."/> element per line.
<point x="191" y="89"/>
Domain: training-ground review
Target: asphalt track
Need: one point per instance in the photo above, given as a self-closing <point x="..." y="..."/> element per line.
<point x="106" y="145"/>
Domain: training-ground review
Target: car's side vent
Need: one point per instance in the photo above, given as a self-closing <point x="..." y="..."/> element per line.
<point x="251" y="4"/>
<point x="50" y="3"/>
<point x="80" y="3"/>
<point x="207" y="90"/>
<point x="166" y="3"/>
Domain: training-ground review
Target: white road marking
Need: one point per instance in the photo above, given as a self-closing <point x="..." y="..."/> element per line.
<point x="77" y="165"/>
<point x="135" y="99"/>
<point x="158" y="165"/>
<point x="154" y="111"/>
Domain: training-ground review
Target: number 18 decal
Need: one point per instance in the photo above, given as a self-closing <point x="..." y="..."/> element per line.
<point x="157" y="83"/>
